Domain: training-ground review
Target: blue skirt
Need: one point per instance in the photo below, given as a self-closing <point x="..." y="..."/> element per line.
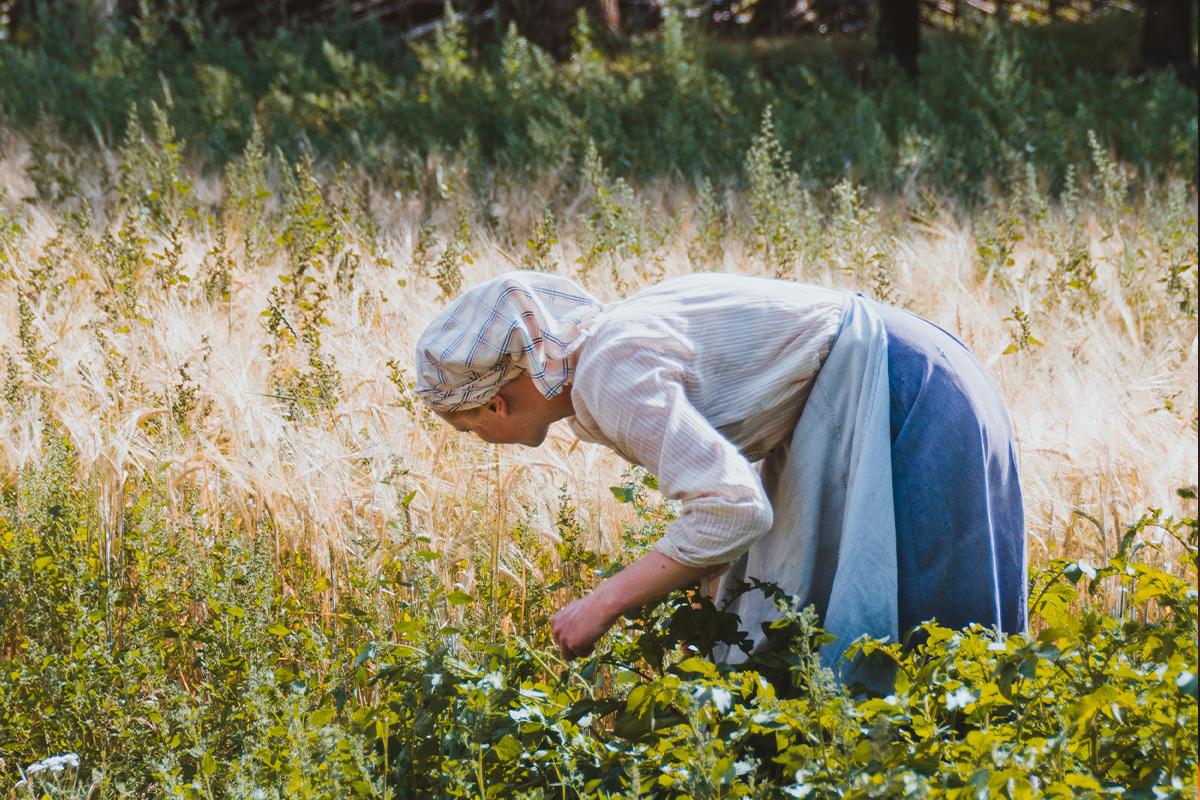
<point x="961" y="554"/>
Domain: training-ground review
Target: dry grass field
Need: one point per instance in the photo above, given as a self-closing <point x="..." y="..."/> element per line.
<point x="248" y="337"/>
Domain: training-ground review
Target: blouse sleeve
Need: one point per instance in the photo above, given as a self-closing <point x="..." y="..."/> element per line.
<point x="637" y="400"/>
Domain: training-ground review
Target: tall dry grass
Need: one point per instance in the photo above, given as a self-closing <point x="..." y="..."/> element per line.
<point x="179" y="384"/>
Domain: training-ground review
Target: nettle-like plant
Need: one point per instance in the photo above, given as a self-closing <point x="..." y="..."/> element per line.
<point x="615" y="228"/>
<point x="775" y="199"/>
<point x="1091" y="702"/>
<point x="861" y="242"/>
<point x="313" y="240"/>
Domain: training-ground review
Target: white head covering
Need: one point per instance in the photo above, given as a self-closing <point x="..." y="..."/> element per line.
<point x="518" y="321"/>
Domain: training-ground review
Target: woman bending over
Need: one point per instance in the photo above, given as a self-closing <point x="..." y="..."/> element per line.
<point x="854" y="454"/>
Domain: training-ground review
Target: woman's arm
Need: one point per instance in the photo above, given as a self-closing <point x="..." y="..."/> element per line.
<point x="578" y="626"/>
<point x="634" y="395"/>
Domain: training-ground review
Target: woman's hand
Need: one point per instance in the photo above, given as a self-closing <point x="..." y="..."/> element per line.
<point x="577" y="627"/>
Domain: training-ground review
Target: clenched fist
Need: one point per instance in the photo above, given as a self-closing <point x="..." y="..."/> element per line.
<point x="578" y="626"/>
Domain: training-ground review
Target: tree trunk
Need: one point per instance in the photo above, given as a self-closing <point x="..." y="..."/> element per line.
<point x="898" y="33"/>
<point x="1167" y="39"/>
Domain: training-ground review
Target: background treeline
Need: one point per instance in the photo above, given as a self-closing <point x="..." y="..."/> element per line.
<point x="679" y="101"/>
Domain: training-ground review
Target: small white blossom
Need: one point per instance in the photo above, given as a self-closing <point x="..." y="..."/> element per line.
<point x="54" y="764"/>
<point x="960" y="699"/>
<point x="722" y="699"/>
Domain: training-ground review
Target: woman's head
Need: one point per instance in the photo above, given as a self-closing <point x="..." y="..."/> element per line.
<point x="527" y="322"/>
<point x="517" y="414"/>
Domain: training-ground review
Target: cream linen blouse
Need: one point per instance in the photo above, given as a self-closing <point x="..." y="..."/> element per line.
<point x="696" y="378"/>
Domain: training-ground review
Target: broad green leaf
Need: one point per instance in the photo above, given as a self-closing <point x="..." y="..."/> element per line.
<point x="622" y="493"/>
<point x="365" y="653"/>
<point x="507" y="748"/>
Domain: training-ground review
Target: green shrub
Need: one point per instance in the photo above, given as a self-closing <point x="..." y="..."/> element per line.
<point x="991" y="99"/>
<point x="199" y="662"/>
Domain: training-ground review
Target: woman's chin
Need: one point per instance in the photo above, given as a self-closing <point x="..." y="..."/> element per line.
<point x="535" y="439"/>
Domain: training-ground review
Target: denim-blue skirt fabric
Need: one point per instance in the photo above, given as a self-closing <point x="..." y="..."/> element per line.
<point x="961" y="553"/>
<point x="895" y="502"/>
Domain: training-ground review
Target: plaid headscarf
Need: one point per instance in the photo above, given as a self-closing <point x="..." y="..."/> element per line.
<point x="518" y="321"/>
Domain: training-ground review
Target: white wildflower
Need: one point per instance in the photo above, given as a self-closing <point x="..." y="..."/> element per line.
<point x="960" y="699"/>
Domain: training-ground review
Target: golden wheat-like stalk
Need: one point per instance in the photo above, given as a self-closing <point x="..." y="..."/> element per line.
<point x="1104" y="408"/>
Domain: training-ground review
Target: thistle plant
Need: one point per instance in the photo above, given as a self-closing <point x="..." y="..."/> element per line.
<point x="217" y="274"/>
<point x="1072" y="275"/>
<point x="448" y="269"/>
<point x="152" y="182"/>
<point x="997" y="232"/>
<point x="1022" y="338"/>
<point x="247" y="194"/>
<point x="308" y="230"/>
<point x="1172" y="224"/>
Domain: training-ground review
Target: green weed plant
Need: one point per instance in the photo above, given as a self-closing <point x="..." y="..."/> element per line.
<point x="677" y="103"/>
<point x="196" y="660"/>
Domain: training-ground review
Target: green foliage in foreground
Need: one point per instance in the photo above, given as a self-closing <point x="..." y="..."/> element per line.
<point x="991" y="99"/>
<point x="191" y="659"/>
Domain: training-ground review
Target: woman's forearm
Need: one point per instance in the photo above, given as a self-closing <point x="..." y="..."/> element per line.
<point x="578" y="626"/>
<point x="646" y="580"/>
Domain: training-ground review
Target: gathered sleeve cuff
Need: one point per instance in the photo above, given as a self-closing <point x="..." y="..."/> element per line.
<point x="635" y="402"/>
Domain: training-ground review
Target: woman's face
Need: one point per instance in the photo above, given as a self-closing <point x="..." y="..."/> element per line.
<point x="517" y="414"/>
<point x="499" y="423"/>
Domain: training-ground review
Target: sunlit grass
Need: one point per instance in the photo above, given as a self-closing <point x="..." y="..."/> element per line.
<point x="152" y="370"/>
